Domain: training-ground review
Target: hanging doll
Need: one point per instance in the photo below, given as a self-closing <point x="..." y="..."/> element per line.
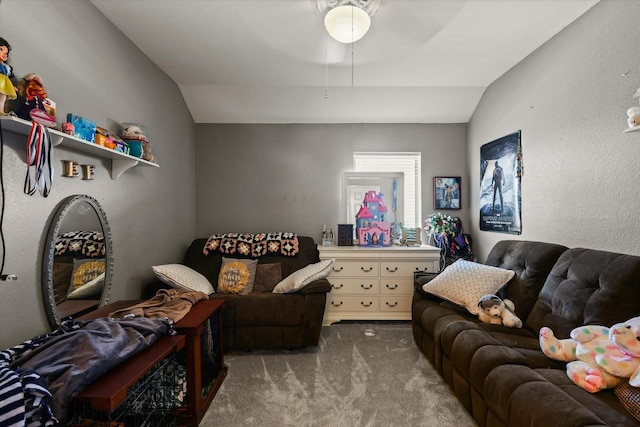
<point x="7" y="90"/>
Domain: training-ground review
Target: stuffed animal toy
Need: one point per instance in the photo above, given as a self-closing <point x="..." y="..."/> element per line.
<point x="146" y="152"/>
<point x="133" y="132"/>
<point x="497" y="311"/>
<point x="599" y="357"/>
<point x="633" y="115"/>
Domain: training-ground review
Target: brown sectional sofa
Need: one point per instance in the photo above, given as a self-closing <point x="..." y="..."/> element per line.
<point x="261" y="319"/>
<point x="500" y="374"/>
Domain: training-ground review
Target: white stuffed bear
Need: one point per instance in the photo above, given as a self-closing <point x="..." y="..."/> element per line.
<point x="599" y="357"/>
<point x="497" y="311"/>
<point x="633" y="116"/>
<point x="133" y="132"/>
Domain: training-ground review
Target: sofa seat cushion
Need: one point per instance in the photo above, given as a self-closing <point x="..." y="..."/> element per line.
<point x="471" y="349"/>
<point x="515" y="394"/>
<point x="263" y="309"/>
<point x="587" y="287"/>
<point x="521" y="396"/>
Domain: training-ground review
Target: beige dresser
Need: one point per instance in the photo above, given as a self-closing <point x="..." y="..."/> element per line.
<point x="374" y="283"/>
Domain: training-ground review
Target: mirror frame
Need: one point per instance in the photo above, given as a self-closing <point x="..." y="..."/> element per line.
<point x="50" y="248"/>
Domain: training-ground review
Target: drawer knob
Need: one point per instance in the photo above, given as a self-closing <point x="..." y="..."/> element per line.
<point x="337" y="270"/>
<point x="392" y="305"/>
<point x="366" y="304"/>
<point x="392" y="286"/>
<point x="392" y="270"/>
<point x="424" y="269"/>
<point x="333" y="303"/>
<point x="366" y="270"/>
<point x="363" y="286"/>
<point x="337" y="287"/>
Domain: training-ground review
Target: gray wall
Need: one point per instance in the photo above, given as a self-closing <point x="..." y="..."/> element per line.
<point x="89" y="68"/>
<point x="569" y="98"/>
<point x="256" y="178"/>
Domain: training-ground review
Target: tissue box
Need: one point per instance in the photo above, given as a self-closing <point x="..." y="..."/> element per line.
<point x="84" y="128"/>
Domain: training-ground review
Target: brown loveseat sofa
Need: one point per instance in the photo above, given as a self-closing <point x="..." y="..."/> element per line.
<point x="499" y="374"/>
<point x="262" y="319"/>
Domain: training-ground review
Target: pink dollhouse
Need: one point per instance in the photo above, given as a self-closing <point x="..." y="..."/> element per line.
<point x="371" y="227"/>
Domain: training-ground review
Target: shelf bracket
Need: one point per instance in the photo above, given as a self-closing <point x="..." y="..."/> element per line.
<point x="56" y="140"/>
<point x="118" y="166"/>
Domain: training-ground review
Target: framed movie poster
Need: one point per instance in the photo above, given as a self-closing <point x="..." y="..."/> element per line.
<point x="500" y="174"/>
<point x="447" y="192"/>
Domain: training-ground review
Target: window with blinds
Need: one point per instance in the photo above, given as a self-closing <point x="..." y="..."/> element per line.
<point x="409" y="164"/>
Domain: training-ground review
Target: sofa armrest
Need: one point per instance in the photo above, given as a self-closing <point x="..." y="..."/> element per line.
<point x="316" y="287"/>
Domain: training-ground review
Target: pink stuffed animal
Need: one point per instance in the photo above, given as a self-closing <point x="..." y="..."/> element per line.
<point x="598" y="357"/>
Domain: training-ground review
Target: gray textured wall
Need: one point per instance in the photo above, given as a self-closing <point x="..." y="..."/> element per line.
<point x="89" y="68"/>
<point x="255" y="178"/>
<point x="569" y="98"/>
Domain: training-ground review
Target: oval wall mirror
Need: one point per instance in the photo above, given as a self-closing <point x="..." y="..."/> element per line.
<point x="77" y="263"/>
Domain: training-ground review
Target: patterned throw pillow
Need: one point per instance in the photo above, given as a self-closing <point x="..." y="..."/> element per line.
<point x="237" y="276"/>
<point x="301" y="278"/>
<point x="182" y="277"/>
<point x="84" y="271"/>
<point x="464" y="282"/>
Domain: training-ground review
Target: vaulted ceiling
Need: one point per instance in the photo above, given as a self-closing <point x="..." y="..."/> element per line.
<point x="271" y="61"/>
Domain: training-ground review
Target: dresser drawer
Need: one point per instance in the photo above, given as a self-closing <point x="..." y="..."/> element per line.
<point x="355" y="285"/>
<point x="399" y="304"/>
<point x="396" y="287"/>
<point x="362" y="268"/>
<point x="403" y="268"/>
<point x="339" y="303"/>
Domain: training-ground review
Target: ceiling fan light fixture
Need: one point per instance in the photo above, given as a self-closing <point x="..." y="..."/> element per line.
<point x="347" y="24"/>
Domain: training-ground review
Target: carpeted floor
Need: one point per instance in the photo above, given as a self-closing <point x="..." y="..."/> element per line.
<point x="349" y="380"/>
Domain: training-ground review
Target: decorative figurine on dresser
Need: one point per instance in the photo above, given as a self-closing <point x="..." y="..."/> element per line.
<point x="372" y="228"/>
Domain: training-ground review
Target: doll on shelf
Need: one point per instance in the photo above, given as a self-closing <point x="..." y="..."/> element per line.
<point x="7" y="90"/>
<point x="33" y="101"/>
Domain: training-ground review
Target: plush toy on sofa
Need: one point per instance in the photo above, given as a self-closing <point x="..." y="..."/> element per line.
<point x="599" y="357"/>
<point x="497" y="311"/>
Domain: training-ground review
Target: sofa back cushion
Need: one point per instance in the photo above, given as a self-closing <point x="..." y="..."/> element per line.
<point x="532" y="262"/>
<point x="587" y="286"/>
<point x="209" y="265"/>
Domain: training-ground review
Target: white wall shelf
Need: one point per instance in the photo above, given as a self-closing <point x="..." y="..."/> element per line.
<point x="120" y="162"/>
<point x="633" y="129"/>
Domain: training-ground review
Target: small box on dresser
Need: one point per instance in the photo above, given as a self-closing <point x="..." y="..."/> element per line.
<point x="374" y="283"/>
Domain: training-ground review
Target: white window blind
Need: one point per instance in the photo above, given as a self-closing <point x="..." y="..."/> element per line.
<point x="409" y="163"/>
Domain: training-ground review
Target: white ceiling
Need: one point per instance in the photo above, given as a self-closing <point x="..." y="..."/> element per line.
<point x="270" y="61"/>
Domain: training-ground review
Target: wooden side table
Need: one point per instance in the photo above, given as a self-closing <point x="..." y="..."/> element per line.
<point x="202" y="327"/>
<point x="109" y="396"/>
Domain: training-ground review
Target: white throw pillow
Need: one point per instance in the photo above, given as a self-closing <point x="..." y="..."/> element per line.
<point x="90" y="290"/>
<point x="464" y="282"/>
<point x="182" y="277"/>
<point x="301" y="278"/>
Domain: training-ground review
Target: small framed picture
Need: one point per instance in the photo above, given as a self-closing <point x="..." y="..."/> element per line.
<point x="447" y="192"/>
